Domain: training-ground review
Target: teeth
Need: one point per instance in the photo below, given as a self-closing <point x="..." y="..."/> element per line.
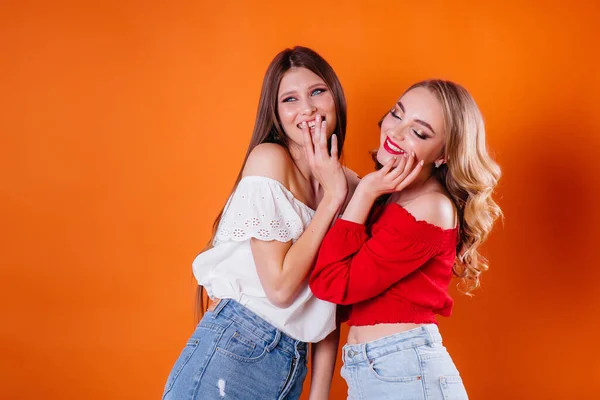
<point x="395" y="148"/>
<point x="311" y="124"/>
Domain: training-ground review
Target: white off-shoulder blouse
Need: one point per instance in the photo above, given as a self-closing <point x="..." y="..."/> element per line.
<point x="264" y="209"/>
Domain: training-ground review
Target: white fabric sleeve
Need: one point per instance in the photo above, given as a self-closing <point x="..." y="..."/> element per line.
<point x="264" y="209"/>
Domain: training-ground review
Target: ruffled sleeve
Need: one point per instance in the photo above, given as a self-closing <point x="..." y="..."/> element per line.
<point x="264" y="209"/>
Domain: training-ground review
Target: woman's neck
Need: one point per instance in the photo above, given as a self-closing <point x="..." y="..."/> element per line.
<point x="308" y="188"/>
<point x="299" y="158"/>
<point x="422" y="184"/>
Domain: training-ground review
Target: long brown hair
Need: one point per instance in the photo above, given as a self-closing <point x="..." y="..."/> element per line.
<point x="268" y="129"/>
<point x="469" y="175"/>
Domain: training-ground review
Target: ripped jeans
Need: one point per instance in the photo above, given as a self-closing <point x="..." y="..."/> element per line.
<point x="235" y="354"/>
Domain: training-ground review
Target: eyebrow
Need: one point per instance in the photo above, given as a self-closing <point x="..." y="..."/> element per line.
<point x="425" y="124"/>
<point x="294" y="91"/>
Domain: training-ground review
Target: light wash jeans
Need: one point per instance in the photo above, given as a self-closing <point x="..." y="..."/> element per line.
<point x="235" y="354"/>
<point x="411" y="365"/>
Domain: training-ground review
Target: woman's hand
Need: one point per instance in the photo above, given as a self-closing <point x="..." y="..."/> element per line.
<point x="326" y="168"/>
<point x="390" y="179"/>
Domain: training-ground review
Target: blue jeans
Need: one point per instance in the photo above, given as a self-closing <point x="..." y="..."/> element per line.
<point x="235" y="354"/>
<point x="411" y="365"/>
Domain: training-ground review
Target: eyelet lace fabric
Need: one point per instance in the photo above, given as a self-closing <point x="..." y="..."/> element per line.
<point x="264" y="209"/>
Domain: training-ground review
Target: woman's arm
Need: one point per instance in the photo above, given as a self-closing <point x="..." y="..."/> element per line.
<point x="324" y="355"/>
<point x="284" y="267"/>
<point x="375" y="184"/>
<point x="353" y="266"/>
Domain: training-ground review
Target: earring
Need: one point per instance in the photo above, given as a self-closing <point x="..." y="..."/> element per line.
<point x="438" y="163"/>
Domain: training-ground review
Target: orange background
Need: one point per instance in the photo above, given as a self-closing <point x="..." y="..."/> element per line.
<point x="123" y="125"/>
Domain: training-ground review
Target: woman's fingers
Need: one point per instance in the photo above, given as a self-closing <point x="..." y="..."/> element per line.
<point x="387" y="166"/>
<point x="309" y="150"/>
<point x="319" y="139"/>
<point x="405" y="167"/>
<point x="334" y="146"/>
<point x="322" y="135"/>
<point x="406" y="179"/>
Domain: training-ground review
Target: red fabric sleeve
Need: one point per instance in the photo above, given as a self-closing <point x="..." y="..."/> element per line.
<point x="353" y="267"/>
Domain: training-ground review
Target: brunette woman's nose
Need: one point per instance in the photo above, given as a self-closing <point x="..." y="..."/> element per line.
<point x="308" y="107"/>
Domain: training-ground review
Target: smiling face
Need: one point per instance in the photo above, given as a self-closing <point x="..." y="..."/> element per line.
<point x="302" y="95"/>
<point x="414" y="124"/>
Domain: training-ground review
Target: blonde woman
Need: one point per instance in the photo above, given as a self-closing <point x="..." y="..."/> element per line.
<point x="412" y="223"/>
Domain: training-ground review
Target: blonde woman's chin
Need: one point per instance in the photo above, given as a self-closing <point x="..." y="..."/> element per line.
<point x="383" y="157"/>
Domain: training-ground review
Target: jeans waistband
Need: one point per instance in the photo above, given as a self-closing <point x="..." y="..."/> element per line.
<point x="249" y="321"/>
<point x="423" y="335"/>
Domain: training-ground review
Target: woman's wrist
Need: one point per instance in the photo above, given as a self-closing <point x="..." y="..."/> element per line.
<point x="365" y="194"/>
<point x="333" y="200"/>
<point x="359" y="207"/>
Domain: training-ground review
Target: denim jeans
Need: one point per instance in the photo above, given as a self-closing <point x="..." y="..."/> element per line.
<point x="411" y="365"/>
<point x="235" y="354"/>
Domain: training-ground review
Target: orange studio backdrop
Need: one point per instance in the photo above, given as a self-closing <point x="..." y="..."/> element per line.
<point x="123" y="125"/>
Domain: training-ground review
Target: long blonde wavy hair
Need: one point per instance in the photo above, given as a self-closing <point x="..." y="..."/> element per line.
<point x="469" y="175"/>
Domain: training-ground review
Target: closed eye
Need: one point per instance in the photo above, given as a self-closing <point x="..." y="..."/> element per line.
<point x="395" y="115"/>
<point x="418" y="134"/>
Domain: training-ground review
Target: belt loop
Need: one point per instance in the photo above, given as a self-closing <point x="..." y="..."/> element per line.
<point x="430" y="337"/>
<point x="217" y="305"/>
<point x="364" y="351"/>
<point x="275" y="341"/>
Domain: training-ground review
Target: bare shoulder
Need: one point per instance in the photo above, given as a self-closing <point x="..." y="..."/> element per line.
<point x="269" y="160"/>
<point x="435" y="208"/>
